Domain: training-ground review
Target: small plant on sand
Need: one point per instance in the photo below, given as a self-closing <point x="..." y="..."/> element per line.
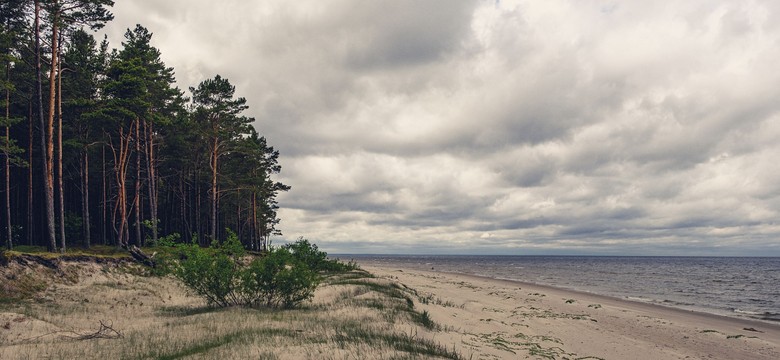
<point x="424" y="318"/>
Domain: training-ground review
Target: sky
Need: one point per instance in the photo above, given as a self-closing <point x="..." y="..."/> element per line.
<point x="502" y="127"/>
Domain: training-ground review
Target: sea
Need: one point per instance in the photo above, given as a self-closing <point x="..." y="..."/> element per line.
<point x="744" y="287"/>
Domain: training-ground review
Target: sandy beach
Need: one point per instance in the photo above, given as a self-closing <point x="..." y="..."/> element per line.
<point x="384" y="313"/>
<point x="496" y="319"/>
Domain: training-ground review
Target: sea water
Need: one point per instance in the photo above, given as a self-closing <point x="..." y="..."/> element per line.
<point x="732" y="286"/>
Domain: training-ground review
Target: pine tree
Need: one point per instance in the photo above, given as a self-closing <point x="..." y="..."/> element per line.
<point x="83" y="62"/>
<point x="218" y="115"/>
<point x="62" y="15"/>
<point x="164" y="101"/>
<point x="11" y="26"/>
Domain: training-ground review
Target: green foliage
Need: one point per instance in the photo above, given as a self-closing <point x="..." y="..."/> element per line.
<point x="169" y="240"/>
<point x="317" y="260"/>
<point x="280" y="279"/>
<point x="211" y="276"/>
<point x="232" y="246"/>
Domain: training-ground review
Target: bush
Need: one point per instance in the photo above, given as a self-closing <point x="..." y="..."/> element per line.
<point x="232" y="246"/>
<point x="277" y="280"/>
<point x="211" y="276"/>
<point x="316" y="259"/>
<point x="165" y="241"/>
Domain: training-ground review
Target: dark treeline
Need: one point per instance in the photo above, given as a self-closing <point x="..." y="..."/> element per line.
<point x="98" y="146"/>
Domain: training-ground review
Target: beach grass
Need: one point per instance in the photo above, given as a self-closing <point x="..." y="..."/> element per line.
<point x="353" y="314"/>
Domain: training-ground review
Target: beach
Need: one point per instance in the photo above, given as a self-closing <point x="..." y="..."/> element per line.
<point x="497" y="319"/>
<point x="95" y="311"/>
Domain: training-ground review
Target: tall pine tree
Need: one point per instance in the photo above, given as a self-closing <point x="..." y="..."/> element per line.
<point x="218" y="114"/>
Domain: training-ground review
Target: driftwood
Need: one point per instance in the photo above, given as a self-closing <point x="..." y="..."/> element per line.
<point x="141" y="256"/>
<point x="104" y="332"/>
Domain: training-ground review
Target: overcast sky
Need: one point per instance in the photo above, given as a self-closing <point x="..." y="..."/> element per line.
<point x="502" y="127"/>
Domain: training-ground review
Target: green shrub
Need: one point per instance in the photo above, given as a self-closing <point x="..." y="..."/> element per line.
<point x="277" y="280"/>
<point x="166" y="241"/>
<point x="317" y="260"/>
<point x="211" y="276"/>
<point x="232" y="246"/>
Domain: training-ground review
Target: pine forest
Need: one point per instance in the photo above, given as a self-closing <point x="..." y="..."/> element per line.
<point x="99" y="146"/>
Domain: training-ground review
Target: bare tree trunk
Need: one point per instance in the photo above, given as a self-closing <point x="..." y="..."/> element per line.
<point x="50" y="132"/>
<point x="214" y="191"/>
<point x="183" y="210"/>
<point x="255" y="238"/>
<point x="9" y="232"/>
<point x="198" y="208"/>
<point x="59" y="154"/>
<point x="152" y="173"/>
<point x="120" y="166"/>
<point x="137" y="200"/>
<point x="30" y="226"/>
<point x="103" y="200"/>
<point x="49" y="190"/>
<point x="85" y="198"/>
<point x="238" y="215"/>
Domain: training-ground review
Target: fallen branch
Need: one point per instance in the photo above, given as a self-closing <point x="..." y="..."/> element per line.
<point x="104" y="332"/>
<point x="140" y="256"/>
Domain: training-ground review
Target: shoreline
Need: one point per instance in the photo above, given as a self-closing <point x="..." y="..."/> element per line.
<point x="497" y="317"/>
<point x="736" y="305"/>
<point x="637" y="303"/>
<point x="652" y="302"/>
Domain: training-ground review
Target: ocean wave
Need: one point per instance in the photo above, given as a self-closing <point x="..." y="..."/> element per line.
<point x="748" y="312"/>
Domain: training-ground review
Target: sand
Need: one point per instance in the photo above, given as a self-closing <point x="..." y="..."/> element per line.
<point x="486" y="318"/>
<point x="472" y="318"/>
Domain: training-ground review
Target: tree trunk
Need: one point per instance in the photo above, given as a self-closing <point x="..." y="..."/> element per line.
<point x="214" y="191"/>
<point x="198" y="208"/>
<point x="30" y="226"/>
<point x="183" y="210"/>
<point x="49" y="190"/>
<point x="150" y="169"/>
<point x="120" y="169"/>
<point x="50" y="132"/>
<point x="238" y="215"/>
<point x="255" y="238"/>
<point x="9" y="232"/>
<point x="137" y="200"/>
<point x="61" y="208"/>
<point x="85" y="198"/>
<point x="103" y="198"/>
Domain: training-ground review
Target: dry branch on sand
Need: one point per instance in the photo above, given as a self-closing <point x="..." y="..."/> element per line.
<point x="103" y="332"/>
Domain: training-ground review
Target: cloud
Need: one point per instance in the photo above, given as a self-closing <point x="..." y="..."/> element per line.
<point x="513" y="126"/>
